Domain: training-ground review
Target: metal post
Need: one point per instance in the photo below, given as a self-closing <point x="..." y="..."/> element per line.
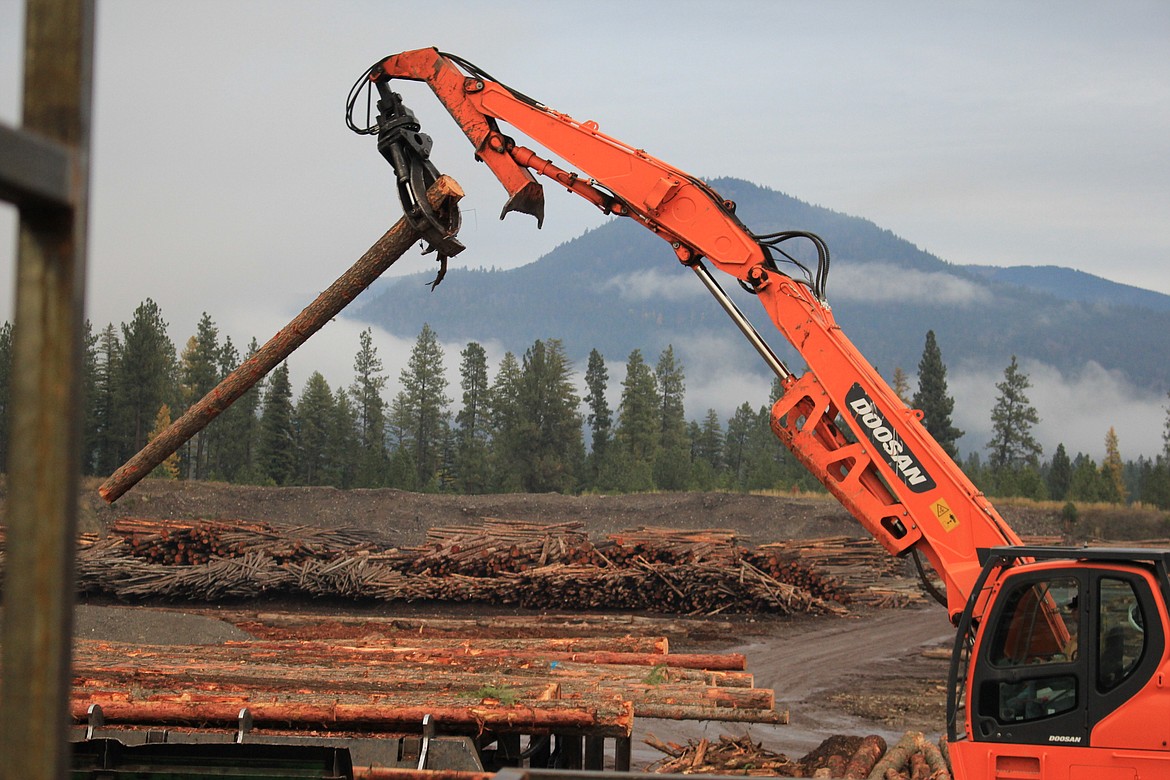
<point x="45" y="422"/>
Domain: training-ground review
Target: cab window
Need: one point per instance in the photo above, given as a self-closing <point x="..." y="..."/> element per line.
<point x="1039" y="625"/>
<point x="1121" y="637"/>
<point x="1037" y="632"/>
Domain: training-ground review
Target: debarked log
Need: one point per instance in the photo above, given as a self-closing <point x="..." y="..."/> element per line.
<point x="315" y="653"/>
<point x="603" y="718"/>
<point x="720" y="714"/>
<point x="385" y="251"/>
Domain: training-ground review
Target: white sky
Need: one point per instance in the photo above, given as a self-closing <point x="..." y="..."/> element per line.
<point x="224" y="179"/>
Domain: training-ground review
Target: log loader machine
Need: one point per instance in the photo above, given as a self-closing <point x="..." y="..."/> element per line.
<point x="1061" y="667"/>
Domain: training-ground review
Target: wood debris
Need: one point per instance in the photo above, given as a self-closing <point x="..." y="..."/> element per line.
<point x="839" y="757"/>
<point x="532" y="565"/>
<point x="727" y="756"/>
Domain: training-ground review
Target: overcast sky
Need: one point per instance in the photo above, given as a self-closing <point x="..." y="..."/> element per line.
<point x="224" y="179"/>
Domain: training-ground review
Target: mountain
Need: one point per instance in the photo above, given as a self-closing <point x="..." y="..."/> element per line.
<point x="618" y="287"/>
<point x="1072" y="285"/>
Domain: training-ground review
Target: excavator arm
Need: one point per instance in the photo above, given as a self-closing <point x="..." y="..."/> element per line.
<point x="840" y="418"/>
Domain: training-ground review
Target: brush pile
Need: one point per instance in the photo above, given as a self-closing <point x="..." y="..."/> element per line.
<point x="839" y="757"/>
<point x="526" y="564"/>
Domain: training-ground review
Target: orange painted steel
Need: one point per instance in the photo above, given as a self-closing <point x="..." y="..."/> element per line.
<point x="896" y="481"/>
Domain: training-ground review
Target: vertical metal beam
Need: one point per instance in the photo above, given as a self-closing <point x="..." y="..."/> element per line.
<point x="594" y="753"/>
<point x="45" y="425"/>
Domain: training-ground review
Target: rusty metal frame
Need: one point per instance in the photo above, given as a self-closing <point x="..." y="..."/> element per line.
<point x="44" y="170"/>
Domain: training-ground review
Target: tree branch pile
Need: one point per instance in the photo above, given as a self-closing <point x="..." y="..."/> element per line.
<point x="526" y="564"/>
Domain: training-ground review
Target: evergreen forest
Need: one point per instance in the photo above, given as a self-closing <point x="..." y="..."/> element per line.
<point x="519" y="426"/>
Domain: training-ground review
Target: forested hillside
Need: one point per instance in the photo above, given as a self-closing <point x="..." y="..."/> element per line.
<point x="618" y="288"/>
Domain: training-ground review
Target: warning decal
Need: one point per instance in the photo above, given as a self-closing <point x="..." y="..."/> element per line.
<point x="945" y="516"/>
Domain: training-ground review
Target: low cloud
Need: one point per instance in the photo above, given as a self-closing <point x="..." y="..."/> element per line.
<point x="877" y="282"/>
<point x="656" y="285"/>
<point x="1076" y="410"/>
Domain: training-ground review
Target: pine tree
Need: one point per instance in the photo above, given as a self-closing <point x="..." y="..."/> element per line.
<point x="277" y="454"/>
<point x="422" y="405"/>
<point x="639" y="422"/>
<point x="764" y="454"/>
<point x="1012" y="445"/>
<point x="551" y="449"/>
<point x="505" y="421"/>
<point x="313" y="420"/>
<point x="600" y="417"/>
<point x="199" y="373"/>
<point x="737" y="444"/>
<point x="1086" y="484"/>
<point x="672" y="464"/>
<point x="1112" y="478"/>
<point x="147" y="378"/>
<point x="89" y="399"/>
<point x="370" y="410"/>
<point x="709" y="446"/>
<point x="343" y="441"/>
<point x="932" y="398"/>
<point x="108" y="402"/>
<point x="238" y="436"/>
<point x="1059" y="474"/>
<point x="472" y="423"/>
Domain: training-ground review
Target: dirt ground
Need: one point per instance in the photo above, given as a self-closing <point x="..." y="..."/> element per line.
<point x="856" y="675"/>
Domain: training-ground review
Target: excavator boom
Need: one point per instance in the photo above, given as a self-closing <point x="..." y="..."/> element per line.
<point x="840" y="418"/>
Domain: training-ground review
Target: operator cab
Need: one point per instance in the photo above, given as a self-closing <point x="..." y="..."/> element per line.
<point x="1068" y="639"/>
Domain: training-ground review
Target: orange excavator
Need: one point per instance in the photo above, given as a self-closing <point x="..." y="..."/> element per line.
<point x="1061" y="667"/>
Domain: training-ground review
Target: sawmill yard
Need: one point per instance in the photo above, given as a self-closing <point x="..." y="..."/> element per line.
<point x="851" y="649"/>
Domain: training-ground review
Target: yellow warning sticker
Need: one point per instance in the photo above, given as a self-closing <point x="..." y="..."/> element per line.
<point x="945" y="516"/>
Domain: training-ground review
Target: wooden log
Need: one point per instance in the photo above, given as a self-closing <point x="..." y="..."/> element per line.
<point x="898" y="757"/>
<point x="392" y="245"/>
<point x="937" y="761"/>
<point x="719" y="714"/>
<point x="614" y="719"/>
<point x="871" y="749"/>
<point x="671" y="750"/>
<point x="919" y="770"/>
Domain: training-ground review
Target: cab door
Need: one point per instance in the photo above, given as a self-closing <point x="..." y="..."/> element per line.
<point x="1030" y="669"/>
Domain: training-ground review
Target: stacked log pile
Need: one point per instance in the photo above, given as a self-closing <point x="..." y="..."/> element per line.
<point x="841" y="568"/>
<point x="386" y="682"/>
<point x="839" y="757"/>
<point x="540" y="566"/>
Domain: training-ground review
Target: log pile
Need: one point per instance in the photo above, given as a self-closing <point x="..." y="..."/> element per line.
<point x="851" y="570"/>
<point x="386" y="682"/>
<point x="532" y="565"/>
<point x="839" y="757"/>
